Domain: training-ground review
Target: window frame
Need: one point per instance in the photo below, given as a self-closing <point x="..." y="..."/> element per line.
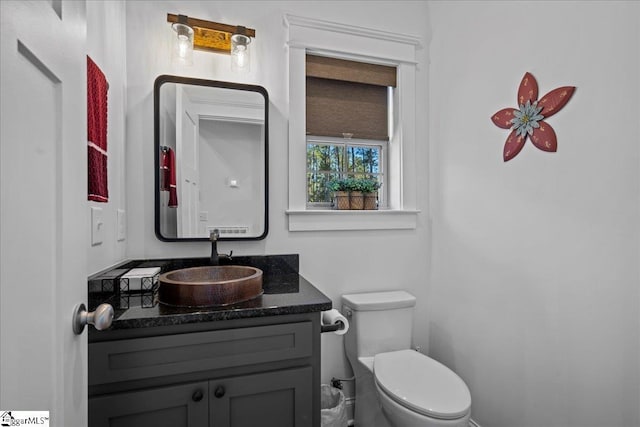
<point x="307" y="35"/>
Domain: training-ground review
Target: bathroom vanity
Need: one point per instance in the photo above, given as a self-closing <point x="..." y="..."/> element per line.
<point x="248" y="364"/>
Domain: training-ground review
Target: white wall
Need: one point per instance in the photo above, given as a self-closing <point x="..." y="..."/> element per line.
<point x="335" y="262"/>
<point x="106" y="45"/>
<point x="534" y="291"/>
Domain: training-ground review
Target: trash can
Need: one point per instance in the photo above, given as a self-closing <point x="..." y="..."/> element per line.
<point x="333" y="407"/>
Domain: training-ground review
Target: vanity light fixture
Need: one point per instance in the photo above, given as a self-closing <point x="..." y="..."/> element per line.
<point x="215" y="37"/>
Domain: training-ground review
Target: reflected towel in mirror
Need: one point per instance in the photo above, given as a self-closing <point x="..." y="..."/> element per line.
<point x="168" y="175"/>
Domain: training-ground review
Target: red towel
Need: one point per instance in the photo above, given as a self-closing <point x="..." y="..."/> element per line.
<point x="168" y="176"/>
<point x="97" y="87"/>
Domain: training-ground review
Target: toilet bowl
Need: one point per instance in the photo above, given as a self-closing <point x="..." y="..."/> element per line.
<point x="417" y="391"/>
<point x="397" y="386"/>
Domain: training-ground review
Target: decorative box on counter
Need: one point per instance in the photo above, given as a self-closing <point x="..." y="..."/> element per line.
<point x="139" y="279"/>
<point x="110" y="281"/>
<point x="137" y="287"/>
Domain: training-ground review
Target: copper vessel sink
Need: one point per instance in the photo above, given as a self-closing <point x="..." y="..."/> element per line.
<point x="210" y="286"/>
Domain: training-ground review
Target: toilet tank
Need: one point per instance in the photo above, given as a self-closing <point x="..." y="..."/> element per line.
<point x="378" y="322"/>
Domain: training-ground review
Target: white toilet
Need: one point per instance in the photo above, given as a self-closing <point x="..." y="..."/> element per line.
<point x="397" y="386"/>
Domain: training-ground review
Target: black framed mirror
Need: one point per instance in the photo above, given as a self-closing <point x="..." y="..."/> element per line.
<point x="211" y="159"/>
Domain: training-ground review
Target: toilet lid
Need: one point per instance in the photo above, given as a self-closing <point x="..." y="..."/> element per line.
<point x="422" y="384"/>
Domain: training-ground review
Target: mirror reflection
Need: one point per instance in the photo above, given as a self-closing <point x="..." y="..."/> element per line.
<point x="211" y="159"/>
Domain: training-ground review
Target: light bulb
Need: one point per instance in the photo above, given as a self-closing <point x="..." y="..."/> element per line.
<point x="183" y="46"/>
<point x="240" y="56"/>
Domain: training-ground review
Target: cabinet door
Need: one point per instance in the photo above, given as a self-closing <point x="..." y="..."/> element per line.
<point x="272" y="399"/>
<point x="177" y="406"/>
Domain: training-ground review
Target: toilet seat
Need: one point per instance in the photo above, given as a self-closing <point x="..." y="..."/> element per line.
<point x="422" y="384"/>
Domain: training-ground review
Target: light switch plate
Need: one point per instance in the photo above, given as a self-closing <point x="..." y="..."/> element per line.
<point x="121" y="224"/>
<point x="97" y="226"/>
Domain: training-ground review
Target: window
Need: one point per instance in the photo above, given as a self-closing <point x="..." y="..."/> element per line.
<point x="347" y="123"/>
<point x="332" y="158"/>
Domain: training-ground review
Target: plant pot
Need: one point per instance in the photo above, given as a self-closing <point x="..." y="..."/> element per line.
<point x="356" y="199"/>
<point x="370" y="201"/>
<point x="341" y="200"/>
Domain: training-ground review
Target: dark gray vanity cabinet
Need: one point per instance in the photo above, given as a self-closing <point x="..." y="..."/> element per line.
<point x="236" y="373"/>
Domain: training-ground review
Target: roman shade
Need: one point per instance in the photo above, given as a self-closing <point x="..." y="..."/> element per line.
<point x="347" y="98"/>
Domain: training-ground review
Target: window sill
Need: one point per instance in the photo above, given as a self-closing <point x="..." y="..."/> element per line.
<point x="332" y="220"/>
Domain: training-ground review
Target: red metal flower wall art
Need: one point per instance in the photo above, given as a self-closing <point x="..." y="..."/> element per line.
<point x="527" y="120"/>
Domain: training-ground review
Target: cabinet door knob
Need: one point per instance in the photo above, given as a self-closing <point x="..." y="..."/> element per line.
<point x="219" y="392"/>
<point x="197" y="396"/>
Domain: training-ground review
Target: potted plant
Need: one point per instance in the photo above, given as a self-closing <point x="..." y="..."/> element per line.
<point x="354" y="193"/>
<point x="369" y="188"/>
<point x="356" y="198"/>
<point x="340" y="189"/>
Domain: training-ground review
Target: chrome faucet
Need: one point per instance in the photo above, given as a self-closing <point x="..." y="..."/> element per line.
<point x="215" y="256"/>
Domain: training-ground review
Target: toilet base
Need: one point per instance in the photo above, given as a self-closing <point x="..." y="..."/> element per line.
<point x="367" y="408"/>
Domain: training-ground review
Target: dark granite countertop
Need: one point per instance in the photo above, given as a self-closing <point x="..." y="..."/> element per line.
<point x="285" y="292"/>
